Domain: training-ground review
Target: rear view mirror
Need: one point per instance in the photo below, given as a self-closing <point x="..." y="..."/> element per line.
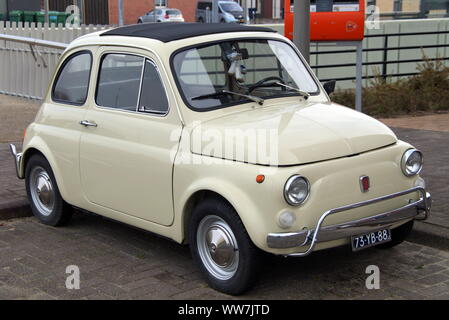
<point x="329" y="86"/>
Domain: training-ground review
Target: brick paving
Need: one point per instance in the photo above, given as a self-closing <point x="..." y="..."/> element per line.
<point x="434" y="145"/>
<point x="12" y="190"/>
<point x="120" y="262"/>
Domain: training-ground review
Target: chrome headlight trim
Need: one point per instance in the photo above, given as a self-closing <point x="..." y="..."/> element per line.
<point x="288" y="185"/>
<point x="405" y="157"/>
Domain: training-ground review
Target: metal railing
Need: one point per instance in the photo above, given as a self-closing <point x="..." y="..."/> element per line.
<point x="26" y="66"/>
<point x="385" y="49"/>
<point x="29" y="55"/>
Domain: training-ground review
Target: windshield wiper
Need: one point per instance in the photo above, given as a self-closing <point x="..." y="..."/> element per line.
<point x="260" y="101"/>
<point x="302" y="93"/>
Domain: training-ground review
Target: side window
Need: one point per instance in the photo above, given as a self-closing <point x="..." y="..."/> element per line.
<point x="72" y="83"/>
<point x="119" y="81"/>
<point x="152" y="97"/>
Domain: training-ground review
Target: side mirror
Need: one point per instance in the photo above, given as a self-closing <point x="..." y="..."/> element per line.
<point x="329" y="86"/>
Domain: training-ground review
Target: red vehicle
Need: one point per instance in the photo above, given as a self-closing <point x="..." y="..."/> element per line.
<point x="331" y="20"/>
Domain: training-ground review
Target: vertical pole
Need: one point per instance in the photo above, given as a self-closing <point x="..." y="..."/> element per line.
<point x="245" y="10"/>
<point x="301" y="27"/>
<point x="46" y="8"/>
<point x="120" y="13"/>
<point x="215" y="11"/>
<point x="359" y="76"/>
<point x="385" y="58"/>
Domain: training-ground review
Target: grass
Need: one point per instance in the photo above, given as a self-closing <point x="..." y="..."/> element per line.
<point x="426" y="92"/>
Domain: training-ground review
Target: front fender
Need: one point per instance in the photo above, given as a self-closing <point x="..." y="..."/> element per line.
<point x="239" y="192"/>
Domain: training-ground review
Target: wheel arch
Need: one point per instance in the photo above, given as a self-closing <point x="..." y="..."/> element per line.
<point x="190" y="205"/>
<point x="36" y="146"/>
<point x="238" y="199"/>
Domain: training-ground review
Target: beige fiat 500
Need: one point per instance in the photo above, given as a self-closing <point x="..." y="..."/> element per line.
<point x="220" y="137"/>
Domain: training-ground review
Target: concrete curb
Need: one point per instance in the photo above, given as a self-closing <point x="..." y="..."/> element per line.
<point x="15" y="209"/>
<point x="423" y="233"/>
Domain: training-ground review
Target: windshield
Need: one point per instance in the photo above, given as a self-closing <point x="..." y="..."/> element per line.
<point x="230" y="6"/>
<point x="259" y="68"/>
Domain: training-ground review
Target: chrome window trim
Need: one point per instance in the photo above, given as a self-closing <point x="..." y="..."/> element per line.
<point x="163" y="85"/>
<point x="60" y="68"/>
<point x="145" y="58"/>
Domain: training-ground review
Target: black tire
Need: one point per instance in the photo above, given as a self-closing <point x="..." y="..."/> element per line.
<point x="398" y="235"/>
<point x="139" y="21"/>
<point x="248" y="254"/>
<point x="200" y="20"/>
<point x="60" y="212"/>
<point x="222" y="21"/>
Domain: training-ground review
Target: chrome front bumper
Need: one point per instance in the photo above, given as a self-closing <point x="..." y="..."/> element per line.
<point x="17" y="159"/>
<point x="351" y="228"/>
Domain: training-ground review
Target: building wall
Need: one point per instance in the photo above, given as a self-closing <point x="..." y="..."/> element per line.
<point x="407" y="5"/>
<point x="3" y="6"/>
<point x="31" y="5"/>
<point x="410" y="5"/>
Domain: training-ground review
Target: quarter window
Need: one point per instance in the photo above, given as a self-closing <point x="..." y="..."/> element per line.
<point x="72" y="83"/>
<point x="119" y="81"/>
<point x="152" y="97"/>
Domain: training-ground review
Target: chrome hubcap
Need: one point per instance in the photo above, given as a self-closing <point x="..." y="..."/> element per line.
<point x="42" y="192"/>
<point x="217" y="247"/>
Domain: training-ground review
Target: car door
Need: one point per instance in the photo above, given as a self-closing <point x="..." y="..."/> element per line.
<point x="130" y="133"/>
<point x="149" y="17"/>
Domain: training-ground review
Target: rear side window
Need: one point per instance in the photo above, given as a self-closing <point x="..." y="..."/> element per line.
<point x="173" y="12"/>
<point x="152" y="97"/>
<point x="72" y="83"/>
<point x="119" y="81"/>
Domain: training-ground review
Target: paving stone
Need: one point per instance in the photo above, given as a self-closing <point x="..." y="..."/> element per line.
<point x="433" y="279"/>
<point x="120" y="262"/>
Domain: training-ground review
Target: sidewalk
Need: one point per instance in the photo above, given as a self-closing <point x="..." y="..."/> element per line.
<point x="429" y="133"/>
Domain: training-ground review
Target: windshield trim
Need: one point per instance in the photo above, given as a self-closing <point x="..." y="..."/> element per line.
<point x="243" y="101"/>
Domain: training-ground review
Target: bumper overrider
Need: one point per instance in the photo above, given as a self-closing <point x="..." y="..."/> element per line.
<point x="17" y="160"/>
<point x="418" y="210"/>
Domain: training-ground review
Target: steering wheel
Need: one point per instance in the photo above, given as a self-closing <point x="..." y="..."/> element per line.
<point x="263" y="81"/>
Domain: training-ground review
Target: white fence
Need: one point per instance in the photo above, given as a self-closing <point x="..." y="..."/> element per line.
<point x="25" y="70"/>
<point x="26" y="73"/>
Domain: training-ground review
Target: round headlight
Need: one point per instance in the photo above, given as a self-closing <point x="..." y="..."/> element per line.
<point x="296" y="190"/>
<point x="411" y="163"/>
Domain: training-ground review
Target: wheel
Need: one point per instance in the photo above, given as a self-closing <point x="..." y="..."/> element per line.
<point x="200" y="20"/>
<point x="43" y="193"/>
<point x="222" y="21"/>
<point x="139" y="21"/>
<point x="221" y="247"/>
<point x="398" y="235"/>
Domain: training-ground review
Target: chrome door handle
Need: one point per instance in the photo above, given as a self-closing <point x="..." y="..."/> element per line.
<point x="88" y="124"/>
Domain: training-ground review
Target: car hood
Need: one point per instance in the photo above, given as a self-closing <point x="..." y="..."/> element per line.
<point x="290" y="134"/>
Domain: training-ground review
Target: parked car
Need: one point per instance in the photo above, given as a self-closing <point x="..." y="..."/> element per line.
<point x="228" y="12"/>
<point x="162" y="15"/>
<point x="167" y="127"/>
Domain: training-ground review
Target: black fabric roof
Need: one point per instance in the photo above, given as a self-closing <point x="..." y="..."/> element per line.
<point x="170" y="31"/>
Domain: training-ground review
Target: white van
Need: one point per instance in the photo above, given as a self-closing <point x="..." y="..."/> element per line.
<point x="228" y="12"/>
